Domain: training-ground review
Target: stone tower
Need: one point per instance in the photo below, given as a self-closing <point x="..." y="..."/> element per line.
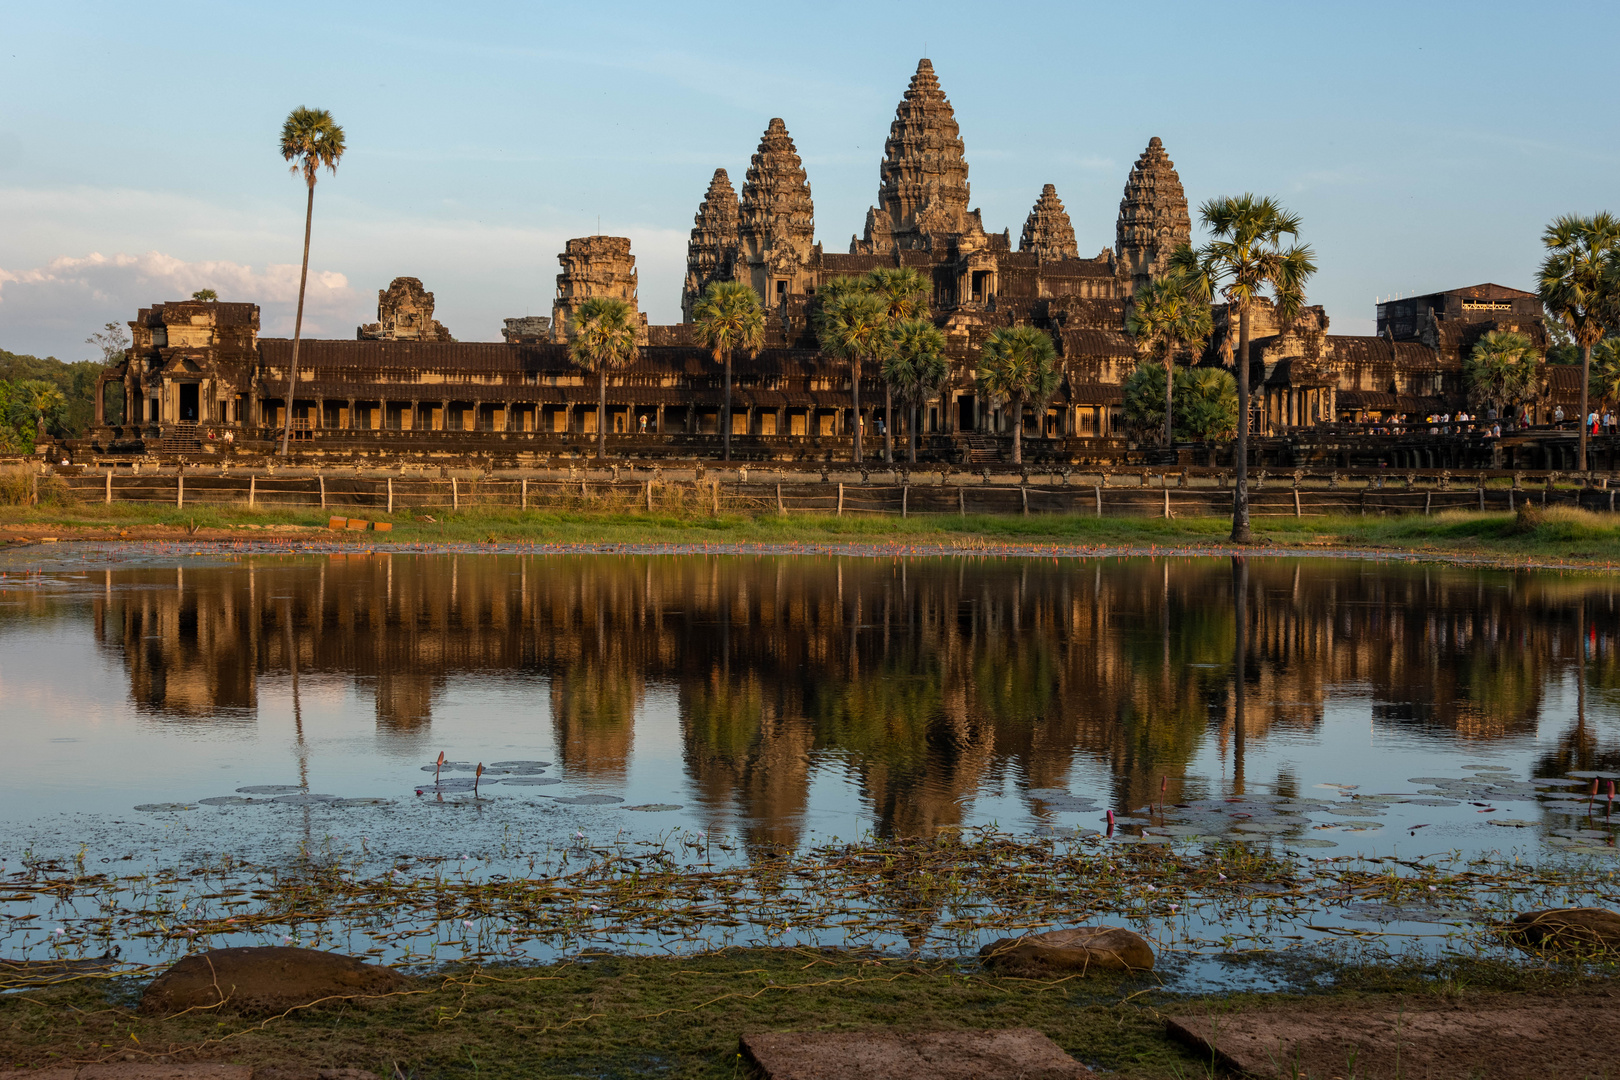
<point x="776" y="221"/>
<point x="1048" y="231"/>
<point x="1153" y="217"/>
<point x="923" y="190"/>
<point x="711" y="253"/>
<point x="594" y="266"/>
<point x="404" y="313"/>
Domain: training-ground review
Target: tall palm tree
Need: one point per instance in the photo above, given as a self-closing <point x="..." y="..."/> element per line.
<point x="726" y="318"/>
<point x="601" y="336"/>
<point x="1244" y="260"/>
<point x="311" y="140"/>
<point x="1579" y="284"/>
<point x="915" y="365"/>
<point x="1164" y="319"/>
<point x="852" y="327"/>
<point x="1501" y="371"/>
<point x="1019" y="364"/>
<point x="1606" y="371"/>
<point x="903" y="291"/>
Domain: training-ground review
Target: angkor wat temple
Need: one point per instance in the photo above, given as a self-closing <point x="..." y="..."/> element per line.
<point x="405" y="386"/>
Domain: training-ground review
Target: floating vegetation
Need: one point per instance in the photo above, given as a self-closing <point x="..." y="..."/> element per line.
<point x="225" y="800"/>
<point x="269" y="789"/>
<point x="654" y="807"/>
<point x="533" y="781"/>
<point x="515" y="765"/>
<point x="164" y="807"/>
<point x="586" y="800"/>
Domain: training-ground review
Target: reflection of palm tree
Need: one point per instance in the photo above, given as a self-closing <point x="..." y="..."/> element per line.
<point x="738" y="746"/>
<point x="593" y="708"/>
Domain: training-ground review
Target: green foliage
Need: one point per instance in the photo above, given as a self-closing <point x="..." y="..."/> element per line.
<point x="1166" y="318"/>
<point x="1204" y="404"/>
<point x="602" y="337"/>
<point x="1019" y="364"/>
<point x="902" y="289"/>
<point x="726" y="319"/>
<point x="914" y="365"/>
<point x="311" y="140"/>
<point x="75" y="383"/>
<point x="206" y="295"/>
<point x="1501" y="371"/>
<point x="1605" y="381"/>
<point x="1579" y="280"/>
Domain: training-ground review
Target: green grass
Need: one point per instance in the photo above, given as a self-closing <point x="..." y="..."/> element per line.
<point x="616" y="1016"/>
<point x="1560" y="535"/>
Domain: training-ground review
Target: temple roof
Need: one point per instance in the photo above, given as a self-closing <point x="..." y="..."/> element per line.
<point x="776" y="212"/>
<point x="1153" y="216"/>
<point x="923" y="189"/>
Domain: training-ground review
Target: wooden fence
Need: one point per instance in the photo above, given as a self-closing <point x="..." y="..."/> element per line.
<point x="395" y="494"/>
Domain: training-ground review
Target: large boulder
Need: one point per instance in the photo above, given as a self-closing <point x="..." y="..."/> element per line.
<point x="270" y="978"/>
<point x="1581" y="929"/>
<point x="1064" y="952"/>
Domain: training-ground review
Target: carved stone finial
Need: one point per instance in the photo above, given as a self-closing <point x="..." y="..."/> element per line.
<point x="1048" y="231"/>
<point x="776" y="221"/>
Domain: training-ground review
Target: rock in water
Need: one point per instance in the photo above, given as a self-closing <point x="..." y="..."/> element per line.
<point x="1582" y="929"/>
<point x="270" y="978"/>
<point x="1082" y="948"/>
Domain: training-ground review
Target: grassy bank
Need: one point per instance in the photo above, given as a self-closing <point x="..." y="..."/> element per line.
<point x="614" y="1016"/>
<point x="1556" y="535"/>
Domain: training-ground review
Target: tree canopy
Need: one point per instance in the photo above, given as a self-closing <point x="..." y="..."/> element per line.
<point x="1019" y="365"/>
<point x="728" y="319"/>
<point x="1501" y="372"/>
<point x="602" y="337"/>
<point x="1204" y="403"/>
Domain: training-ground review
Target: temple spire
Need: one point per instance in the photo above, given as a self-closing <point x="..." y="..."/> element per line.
<point x="923" y="190"/>
<point x="1048" y="231"/>
<point x="711" y="253"/>
<point x="777" y="219"/>
<point x="1153" y="218"/>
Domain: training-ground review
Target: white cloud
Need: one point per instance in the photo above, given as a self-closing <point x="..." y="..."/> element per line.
<point x="73" y="294"/>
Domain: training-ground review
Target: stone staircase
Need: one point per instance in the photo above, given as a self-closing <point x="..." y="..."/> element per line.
<point x="980" y="449"/>
<point x="180" y="439"/>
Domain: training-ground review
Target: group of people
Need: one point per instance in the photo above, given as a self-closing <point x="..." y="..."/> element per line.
<point x="1595" y="424"/>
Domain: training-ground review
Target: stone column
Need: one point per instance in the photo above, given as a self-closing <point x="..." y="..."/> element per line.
<point x="351" y="414"/>
<point x="660" y="420"/>
<point x="320" y="413"/>
<point x="444" y="415"/>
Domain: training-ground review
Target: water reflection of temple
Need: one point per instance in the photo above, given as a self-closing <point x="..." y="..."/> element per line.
<point x="923" y="680"/>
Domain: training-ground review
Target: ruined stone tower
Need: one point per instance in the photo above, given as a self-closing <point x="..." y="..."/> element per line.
<point x="711" y="253"/>
<point x="594" y="266"/>
<point x="923" y="191"/>
<point x="404" y="313"/>
<point x="776" y="221"/>
<point x="1153" y="217"/>
<point x="1048" y="231"/>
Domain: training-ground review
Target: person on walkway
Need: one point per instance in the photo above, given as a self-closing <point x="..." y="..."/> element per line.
<point x="1558" y="418"/>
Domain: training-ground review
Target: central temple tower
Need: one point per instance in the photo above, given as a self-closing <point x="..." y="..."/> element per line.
<point x="923" y="193"/>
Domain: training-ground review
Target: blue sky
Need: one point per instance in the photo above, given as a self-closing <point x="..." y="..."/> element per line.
<point x="1425" y="145"/>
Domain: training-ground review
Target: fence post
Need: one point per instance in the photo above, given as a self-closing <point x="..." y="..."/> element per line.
<point x="1482" y="495"/>
<point x="1167" y="504"/>
<point x="1023" y="491"/>
<point x="321" y="478"/>
<point x="714" y="495"/>
<point x="1427" y="495"/>
<point x="961" y="501"/>
<point x="1510" y="500"/>
<point x="1097" y="490"/>
<point x="108" y="499"/>
<point x="1296" y="503"/>
<point x="780" y="509"/>
<point x="33" y="489"/>
<point x="905" y="500"/>
<point x="523" y="497"/>
<point x="179" y="489"/>
<point x="253" y="489"/>
<point x="455" y="494"/>
<point x="649" y="496"/>
<point x="840" y="498"/>
<point x="390" y="494"/>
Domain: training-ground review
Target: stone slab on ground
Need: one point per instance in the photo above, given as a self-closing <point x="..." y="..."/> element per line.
<point x="198" y="1070"/>
<point x="936" y="1055"/>
<point x="269" y="978"/>
<point x="1519" y="1038"/>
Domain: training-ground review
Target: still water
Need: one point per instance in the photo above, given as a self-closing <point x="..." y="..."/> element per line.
<point x="180" y="704"/>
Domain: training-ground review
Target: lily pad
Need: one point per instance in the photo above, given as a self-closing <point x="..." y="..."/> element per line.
<point x="586" y="800"/>
<point x="1555" y="781"/>
<point x="1597" y="775"/>
<point x="459" y="783"/>
<point x="451" y="766"/>
<point x="362" y="802"/>
<point x="164" y="807"/>
<point x="1260" y="827"/>
<point x="531" y="781"/>
<point x="305" y="800"/>
<point x="1431" y="802"/>
<point x="268" y="789"/>
<point x="520" y="764"/>
<point x="654" y="807"/>
<point x="224" y="800"/>
<point x="1311" y="842"/>
<point x="1513" y="823"/>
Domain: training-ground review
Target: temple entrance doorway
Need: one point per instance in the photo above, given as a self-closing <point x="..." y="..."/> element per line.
<point x="965" y="407"/>
<point x="188" y="402"/>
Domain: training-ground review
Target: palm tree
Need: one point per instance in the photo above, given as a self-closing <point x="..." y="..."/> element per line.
<point x="1606" y="371"/>
<point x="1164" y="319"/>
<point x="602" y="336"/>
<point x="727" y="317"/>
<point x="1243" y="260"/>
<point x="311" y="140"/>
<point x="915" y="365"/>
<point x="852" y="327"/>
<point x="1501" y="371"/>
<point x="1580" y="286"/>
<point x="1019" y="365"/>
<point x="902" y="290"/>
